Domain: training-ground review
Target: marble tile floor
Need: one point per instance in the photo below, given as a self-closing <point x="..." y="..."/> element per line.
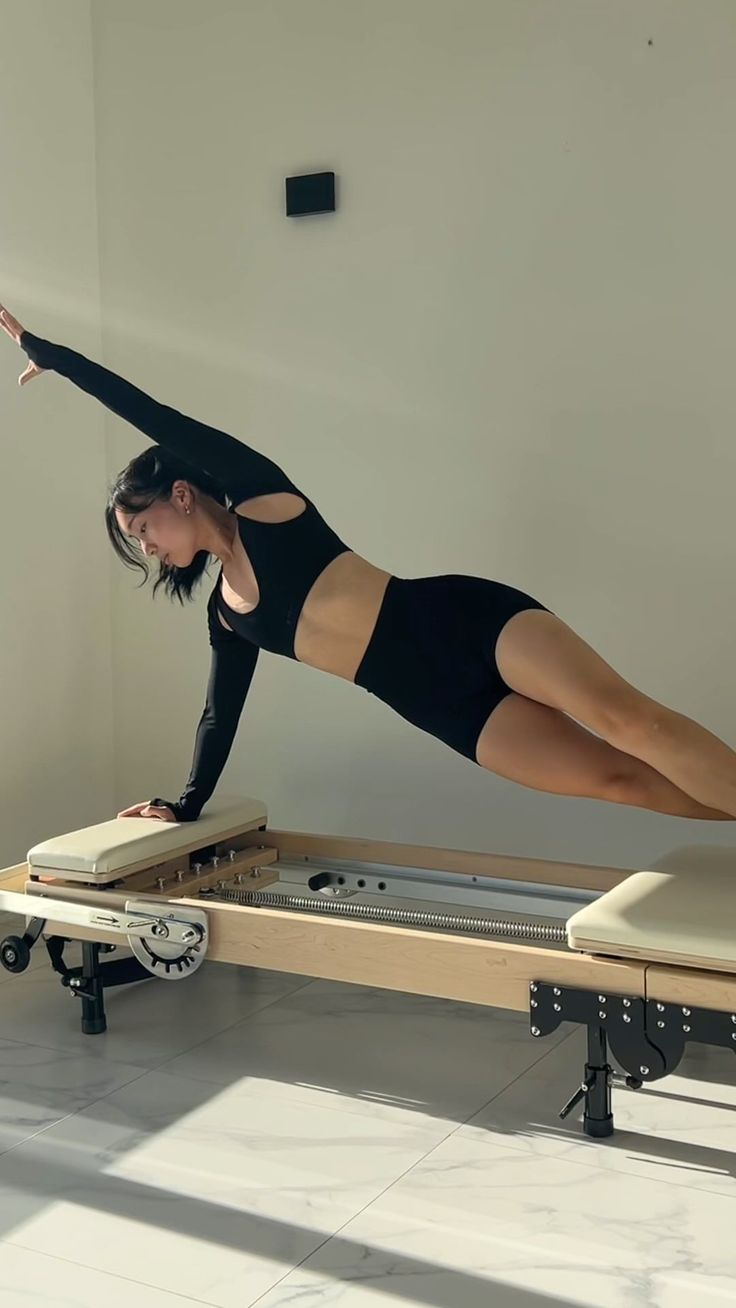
<point x="248" y="1137"/>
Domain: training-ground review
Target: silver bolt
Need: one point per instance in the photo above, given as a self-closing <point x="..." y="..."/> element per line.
<point x="660" y="1008"/>
<point x="686" y="1012"/>
<point x="180" y="876"/>
<point x="221" y="885"/>
<point x="161" y="882"/>
<point x="627" y="1003"/>
<point x="733" y="1037"/>
<point x="534" y="1003"/>
<point x="256" y="872"/>
<point x="686" y="1029"/>
<point x="231" y="854"/>
<point x="215" y="860"/>
<point x="534" y="987"/>
<point x="239" y="878"/>
<point x="733" y="1017"/>
<point x="602" y="999"/>
<point x="603" y="1015"/>
<point x="535" y="1031"/>
<point x="660" y="1024"/>
<point x="644" y="1071"/>
<point x="626" y="1017"/>
<point x="557" y="1008"/>
<point x="556" y="991"/>
<point x="197" y="869"/>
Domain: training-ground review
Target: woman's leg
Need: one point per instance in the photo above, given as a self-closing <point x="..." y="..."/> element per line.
<point x="540" y="747"/>
<point x="541" y="658"/>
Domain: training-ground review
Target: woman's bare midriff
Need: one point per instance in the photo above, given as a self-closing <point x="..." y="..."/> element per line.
<point x="339" y="615"/>
<point x="341" y="609"/>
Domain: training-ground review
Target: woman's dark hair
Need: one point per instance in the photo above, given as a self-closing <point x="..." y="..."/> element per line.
<point x="147" y="478"/>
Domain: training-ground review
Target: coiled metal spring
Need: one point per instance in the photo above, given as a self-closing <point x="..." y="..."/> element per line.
<point x="400" y="916"/>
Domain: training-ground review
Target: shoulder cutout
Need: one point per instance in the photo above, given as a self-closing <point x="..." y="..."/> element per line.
<point x="281" y="506"/>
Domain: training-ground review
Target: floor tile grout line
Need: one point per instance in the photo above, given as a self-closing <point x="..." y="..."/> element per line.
<point x="223" y="1084"/>
<point x="321" y="1244"/>
<point x="374" y="1200"/>
<point x="145" y="1071"/>
<point x="573" y="1162"/>
<point x="342" y="1226"/>
<point x="117" y="1276"/>
<point x="306" y="984"/>
<point x="66" y="1117"/>
<point x="230" y="1027"/>
<point x="396" y="1181"/>
<point x="50" y="1126"/>
<point x="124" y="1085"/>
<point x="57" y="1049"/>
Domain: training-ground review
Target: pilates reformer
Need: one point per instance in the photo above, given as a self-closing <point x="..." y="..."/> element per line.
<point x="644" y="960"/>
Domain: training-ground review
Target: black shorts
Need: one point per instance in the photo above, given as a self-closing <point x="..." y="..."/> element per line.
<point x="431" y="657"/>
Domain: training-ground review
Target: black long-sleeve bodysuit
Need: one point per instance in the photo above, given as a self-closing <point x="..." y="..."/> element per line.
<point x="431" y="654"/>
<point x="287" y="557"/>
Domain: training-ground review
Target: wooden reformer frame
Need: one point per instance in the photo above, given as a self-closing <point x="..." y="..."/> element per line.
<point x="647" y="1011"/>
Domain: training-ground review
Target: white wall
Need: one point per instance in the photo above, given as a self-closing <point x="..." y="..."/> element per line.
<point x="55" y="651"/>
<point x="509" y="354"/>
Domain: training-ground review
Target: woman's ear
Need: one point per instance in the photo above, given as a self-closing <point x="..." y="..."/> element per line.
<point x="183" y="495"/>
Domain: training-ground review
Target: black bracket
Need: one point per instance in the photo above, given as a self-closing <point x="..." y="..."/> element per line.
<point x="90" y="981"/>
<point x="87" y="982"/>
<point x="646" y="1037"/>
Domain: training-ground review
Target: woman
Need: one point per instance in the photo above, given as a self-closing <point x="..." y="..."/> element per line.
<point x="478" y="664"/>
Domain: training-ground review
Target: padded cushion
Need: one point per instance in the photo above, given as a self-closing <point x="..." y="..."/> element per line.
<point x="103" y="852"/>
<point x="682" y="911"/>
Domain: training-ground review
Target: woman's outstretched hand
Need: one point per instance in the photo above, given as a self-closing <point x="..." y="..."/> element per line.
<point x="13" y="329"/>
<point x="149" y="810"/>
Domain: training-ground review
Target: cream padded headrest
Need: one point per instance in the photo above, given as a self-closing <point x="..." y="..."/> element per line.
<point x="110" y="847"/>
<point x="682" y="911"/>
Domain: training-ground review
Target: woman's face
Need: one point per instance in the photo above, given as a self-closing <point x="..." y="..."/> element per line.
<point x="165" y="531"/>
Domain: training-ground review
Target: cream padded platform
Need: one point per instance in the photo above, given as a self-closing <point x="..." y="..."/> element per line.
<point x="683" y="911"/>
<point x="103" y="853"/>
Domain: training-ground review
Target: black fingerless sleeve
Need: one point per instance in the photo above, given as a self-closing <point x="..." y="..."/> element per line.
<point x="232" y="664"/>
<point x="242" y="472"/>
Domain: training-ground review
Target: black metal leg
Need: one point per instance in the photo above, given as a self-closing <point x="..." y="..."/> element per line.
<point x="598" y="1117"/>
<point x="89" y="982"/>
<point x="94" y="1021"/>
